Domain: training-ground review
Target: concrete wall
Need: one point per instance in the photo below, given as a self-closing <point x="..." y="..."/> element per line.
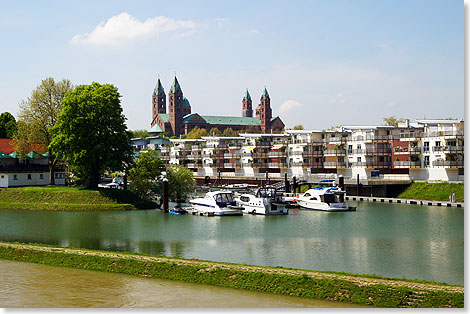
<point x="22" y="179"/>
<point x="3" y="180"/>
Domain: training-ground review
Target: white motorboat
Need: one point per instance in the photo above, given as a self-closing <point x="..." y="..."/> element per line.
<point x="324" y="198"/>
<point x="265" y="201"/>
<point x="217" y="203"/>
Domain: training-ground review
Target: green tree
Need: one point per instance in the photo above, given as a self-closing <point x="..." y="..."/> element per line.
<point x="196" y="133"/>
<point x="38" y="114"/>
<point x="7" y="125"/>
<point x="214" y="132"/>
<point x="146" y="173"/>
<point x="90" y="132"/>
<point x="139" y="134"/>
<point x="298" y="127"/>
<point x="229" y="132"/>
<point x="393" y="121"/>
<point x="181" y="182"/>
<point x="253" y="129"/>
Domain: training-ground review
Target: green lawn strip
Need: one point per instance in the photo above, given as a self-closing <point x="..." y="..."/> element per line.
<point x="301" y="286"/>
<point x="70" y="199"/>
<point x="433" y="191"/>
<point x="65" y="207"/>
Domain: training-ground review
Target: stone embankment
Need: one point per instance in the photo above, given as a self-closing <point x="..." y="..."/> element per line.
<point x="404" y="201"/>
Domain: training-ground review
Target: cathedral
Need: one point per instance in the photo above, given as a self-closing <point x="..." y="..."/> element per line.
<point x="179" y="119"/>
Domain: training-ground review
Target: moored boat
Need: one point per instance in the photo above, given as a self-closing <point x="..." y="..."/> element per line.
<point x="330" y="199"/>
<point x="217" y="203"/>
<point x="265" y="201"/>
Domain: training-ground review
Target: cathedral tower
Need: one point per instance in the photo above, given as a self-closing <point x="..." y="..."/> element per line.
<point x="176" y="107"/>
<point x="247" y="109"/>
<point x="158" y="101"/>
<point x="264" y="112"/>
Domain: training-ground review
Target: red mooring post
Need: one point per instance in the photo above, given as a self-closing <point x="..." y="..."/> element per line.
<point x="341" y="186"/>
<point x="165" y="195"/>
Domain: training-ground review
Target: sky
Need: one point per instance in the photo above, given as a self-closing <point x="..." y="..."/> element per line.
<point x="324" y="63"/>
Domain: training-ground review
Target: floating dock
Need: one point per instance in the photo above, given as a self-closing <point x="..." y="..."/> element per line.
<point x="404" y="201"/>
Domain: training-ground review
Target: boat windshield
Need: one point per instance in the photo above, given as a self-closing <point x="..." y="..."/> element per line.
<point x="224" y="198"/>
<point x="266" y="192"/>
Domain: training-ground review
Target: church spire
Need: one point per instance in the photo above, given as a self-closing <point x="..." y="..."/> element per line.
<point x="175" y="87"/>
<point x="247" y="95"/>
<point x="265" y="93"/>
<point x="159" y="87"/>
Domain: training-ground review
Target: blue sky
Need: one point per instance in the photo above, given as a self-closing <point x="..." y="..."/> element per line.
<point x="324" y="63"/>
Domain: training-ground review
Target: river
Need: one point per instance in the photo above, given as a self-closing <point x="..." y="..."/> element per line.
<point x="397" y="240"/>
<point x="27" y="285"/>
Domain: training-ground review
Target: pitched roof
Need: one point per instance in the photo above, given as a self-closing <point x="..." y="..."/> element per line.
<point x="5" y="146"/>
<point x="175" y="87"/>
<point x="186" y="102"/>
<point x="155" y="129"/>
<point x="165" y="117"/>
<point x="231" y="120"/>
<point x="159" y="88"/>
<point x="247" y="95"/>
<point x="265" y="93"/>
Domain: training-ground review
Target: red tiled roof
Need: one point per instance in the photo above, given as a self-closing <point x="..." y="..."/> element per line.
<point x="7" y="147"/>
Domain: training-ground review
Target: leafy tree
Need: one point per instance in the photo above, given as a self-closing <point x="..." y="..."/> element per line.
<point x="139" y="134"/>
<point x="253" y="129"/>
<point x="214" y="132"/>
<point x="7" y="125"/>
<point x="299" y="127"/>
<point x="196" y="133"/>
<point x="334" y="127"/>
<point x="229" y="132"/>
<point x="393" y="121"/>
<point x="144" y="176"/>
<point x="90" y="132"/>
<point x="38" y="114"/>
<point x="181" y="182"/>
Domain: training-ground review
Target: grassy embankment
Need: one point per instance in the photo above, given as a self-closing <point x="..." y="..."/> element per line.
<point x="301" y="283"/>
<point x="60" y="198"/>
<point x="433" y="191"/>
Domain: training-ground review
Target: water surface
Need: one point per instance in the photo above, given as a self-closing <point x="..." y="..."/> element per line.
<point x="397" y="240"/>
<point x="30" y="285"/>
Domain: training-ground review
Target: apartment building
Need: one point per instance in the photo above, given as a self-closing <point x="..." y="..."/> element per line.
<point x="431" y="150"/>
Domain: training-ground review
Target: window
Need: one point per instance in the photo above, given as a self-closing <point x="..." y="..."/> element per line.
<point x="29" y="176"/>
<point x="3" y="176"/>
<point x="41" y="176"/>
<point x="15" y="177"/>
<point x="359" y="159"/>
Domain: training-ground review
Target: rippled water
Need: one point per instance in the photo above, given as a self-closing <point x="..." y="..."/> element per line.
<point x="396" y="240"/>
<point x="32" y="285"/>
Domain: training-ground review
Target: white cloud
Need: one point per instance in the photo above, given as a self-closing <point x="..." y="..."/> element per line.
<point x="123" y="28"/>
<point x="289" y="105"/>
<point x="221" y="21"/>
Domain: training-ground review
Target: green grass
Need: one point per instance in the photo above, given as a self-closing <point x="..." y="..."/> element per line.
<point x="433" y="191"/>
<point x="70" y="199"/>
<point x="301" y="286"/>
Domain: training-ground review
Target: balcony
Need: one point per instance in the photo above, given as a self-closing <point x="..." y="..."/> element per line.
<point x="458" y="133"/>
<point x="312" y="153"/>
<point x="359" y="164"/>
<point x="407" y="164"/>
<point x="196" y="147"/>
<point x="232" y="155"/>
<point x="277" y="165"/>
<point x="448" y="163"/>
<point x="378" y="164"/>
<point x="334" y="164"/>
<point x="247" y="164"/>
<point x="334" y="152"/>
<point x="448" y="149"/>
<point x="232" y="165"/>
<point x="378" y="151"/>
<point x="277" y="154"/>
<point x="401" y="150"/>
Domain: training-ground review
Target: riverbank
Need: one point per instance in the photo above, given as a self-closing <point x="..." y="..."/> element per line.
<point x="433" y="191"/>
<point x="61" y="198"/>
<point x="357" y="289"/>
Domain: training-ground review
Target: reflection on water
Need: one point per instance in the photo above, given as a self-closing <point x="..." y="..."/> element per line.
<point x="34" y="285"/>
<point x="396" y="240"/>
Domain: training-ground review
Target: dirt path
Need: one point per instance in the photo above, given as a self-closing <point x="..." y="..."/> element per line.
<point x="361" y="281"/>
